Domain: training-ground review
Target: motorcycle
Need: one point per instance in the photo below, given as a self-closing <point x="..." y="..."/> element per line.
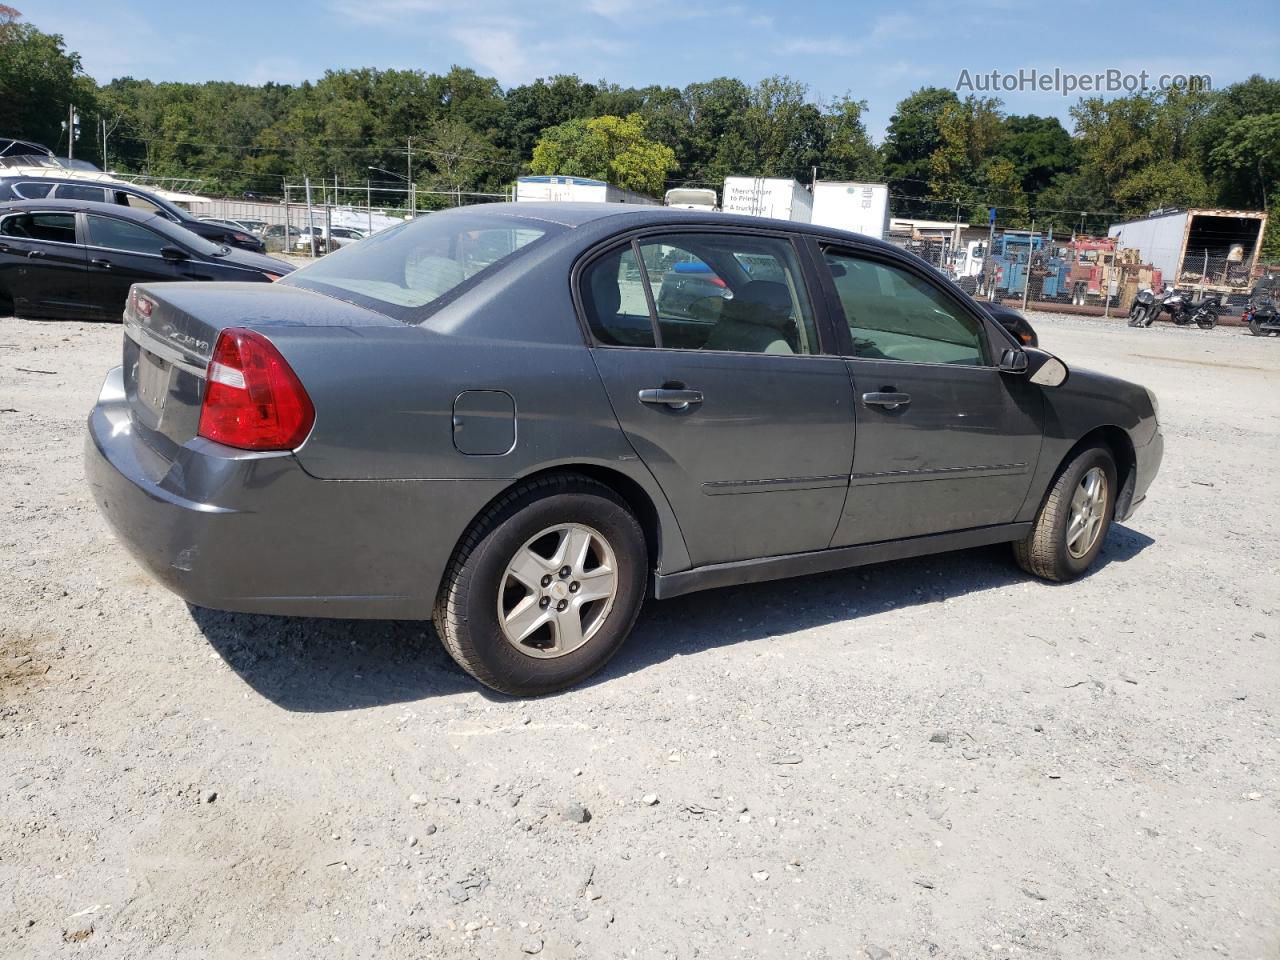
<point x="1261" y="317"/>
<point x="1204" y="314"/>
<point x="1147" y="306"/>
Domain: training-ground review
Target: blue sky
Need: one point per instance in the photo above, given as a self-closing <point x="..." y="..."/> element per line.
<point x="877" y="52"/>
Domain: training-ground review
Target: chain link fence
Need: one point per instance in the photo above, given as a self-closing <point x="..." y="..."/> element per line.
<point x="316" y="217"/>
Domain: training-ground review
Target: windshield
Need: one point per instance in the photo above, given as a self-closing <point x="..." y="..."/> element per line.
<point x="416" y="267"/>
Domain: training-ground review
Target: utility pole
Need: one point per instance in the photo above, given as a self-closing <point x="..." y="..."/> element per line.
<point x="413" y="200"/>
<point x="368" y="201"/>
<point x="72" y="119"/>
<point x="311" y="233"/>
<point x="1026" y="276"/>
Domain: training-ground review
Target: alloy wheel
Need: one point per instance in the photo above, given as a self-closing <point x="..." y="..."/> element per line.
<point x="1088" y="511"/>
<point x="557" y="590"/>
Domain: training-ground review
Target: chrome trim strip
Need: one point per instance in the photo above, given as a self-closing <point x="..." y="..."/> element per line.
<point x="713" y="488"/>
<point x="937" y="473"/>
<point x="148" y="341"/>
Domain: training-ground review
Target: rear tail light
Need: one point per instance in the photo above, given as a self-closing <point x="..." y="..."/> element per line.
<point x="252" y="398"/>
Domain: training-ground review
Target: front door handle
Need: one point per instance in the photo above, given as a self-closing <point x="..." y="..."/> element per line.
<point x="890" y="401"/>
<point x="104" y="264"/>
<point x="32" y="254"/>
<point x="676" y="399"/>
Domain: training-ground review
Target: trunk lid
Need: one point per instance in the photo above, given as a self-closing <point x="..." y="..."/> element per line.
<point x="170" y="330"/>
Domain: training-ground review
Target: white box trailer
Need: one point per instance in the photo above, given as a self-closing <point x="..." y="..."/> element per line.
<point x="1209" y="249"/>
<point x="575" y="190"/>
<point x="856" y="207"/>
<point x="775" y="197"/>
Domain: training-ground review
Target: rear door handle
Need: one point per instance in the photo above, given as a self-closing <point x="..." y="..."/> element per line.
<point x="890" y="401"/>
<point x="31" y="254"/>
<point x="105" y="264"/>
<point x="676" y="399"/>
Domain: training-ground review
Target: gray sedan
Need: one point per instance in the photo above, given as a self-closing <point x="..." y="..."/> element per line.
<point x="494" y="418"/>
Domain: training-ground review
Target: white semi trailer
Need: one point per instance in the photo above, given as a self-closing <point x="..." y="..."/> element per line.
<point x="575" y="190"/>
<point x="856" y="207"/>
<point x="775" y="197"/>
<point x="1212" y="250"/>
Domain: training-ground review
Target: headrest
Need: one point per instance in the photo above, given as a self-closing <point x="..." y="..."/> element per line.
<point x="606" y="297"/>
<point x="763" y="302"/>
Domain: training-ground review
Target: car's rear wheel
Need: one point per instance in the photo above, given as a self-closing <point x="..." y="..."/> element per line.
<point x="6" y="303"/>
<point x="1073" y="520"/>
<point x="544" y="587"/>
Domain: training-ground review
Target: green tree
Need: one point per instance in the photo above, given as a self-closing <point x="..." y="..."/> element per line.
<point x="848" y="153"/>
<point x="1039" y="148"/>
<point x="912" y="137"/>
<point x="608" y="148"/>
<point x="39" y="80"/>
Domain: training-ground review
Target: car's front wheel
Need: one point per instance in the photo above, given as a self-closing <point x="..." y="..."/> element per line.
<point x="1073" y="520"/>
<point x="544" y="587"/>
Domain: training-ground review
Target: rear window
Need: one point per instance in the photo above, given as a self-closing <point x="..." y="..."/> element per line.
<point x="74" y="191"/>
<point x="410" y="270"/>
<point x="32" y="191"/>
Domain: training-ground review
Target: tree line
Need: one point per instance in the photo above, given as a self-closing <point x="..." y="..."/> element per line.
<point x="943" y="156"/>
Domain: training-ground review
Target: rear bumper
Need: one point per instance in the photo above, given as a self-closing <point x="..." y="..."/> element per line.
<point x="255" y="533"/>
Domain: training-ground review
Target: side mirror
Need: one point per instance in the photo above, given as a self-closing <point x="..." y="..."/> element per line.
<point x="173" y="254"/>
<point x="1052" y="373"/>
<point x="1046" y="370"/>
<point x="1013" y="361"/>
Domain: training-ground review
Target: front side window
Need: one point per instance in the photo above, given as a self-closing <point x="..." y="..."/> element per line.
<point x="705" y="291"/>
<point x="76" y="191"/>
<point x="122" y="235"/>
<point x="52" y="227"/>
<point x="895" y="315"/>
<point x="420" y="264"/>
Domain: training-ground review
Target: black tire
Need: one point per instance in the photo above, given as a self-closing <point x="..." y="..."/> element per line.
<point x="1207" y="320"/>
<point x="6" y="304"/>
<point x="466" y="612"/>
<point x="1044" y="551"/>
<point x="1136" y="316"/>
<point x="1254" y="327"/>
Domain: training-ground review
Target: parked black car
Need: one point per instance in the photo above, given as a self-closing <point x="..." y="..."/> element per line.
<point x="492" y="416"/>
<point x="60" y="258"/>
<point x="126" y="195"/>
<point x="1013" y="321"/>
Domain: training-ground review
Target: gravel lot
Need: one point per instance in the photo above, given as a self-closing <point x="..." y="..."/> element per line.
<point x="927" y="758"/>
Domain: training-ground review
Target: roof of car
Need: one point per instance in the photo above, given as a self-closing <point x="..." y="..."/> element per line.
<point x="639" y="214"/>
<point x="115" y="209"/>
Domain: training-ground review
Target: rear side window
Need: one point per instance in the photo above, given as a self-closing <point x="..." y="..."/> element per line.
<point x="895" y="315"/>
<point x="137" y="202"/>
<point x="76" y="191"/>
<point x="53" y="227"/>
<point x="32" y="191"/>
<point x="122" y="235"/>
<point x="614" y="297"/>
<point x="701" y="291"/>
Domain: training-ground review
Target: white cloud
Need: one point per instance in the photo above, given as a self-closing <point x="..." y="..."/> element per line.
<point x="496" y="49"/>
